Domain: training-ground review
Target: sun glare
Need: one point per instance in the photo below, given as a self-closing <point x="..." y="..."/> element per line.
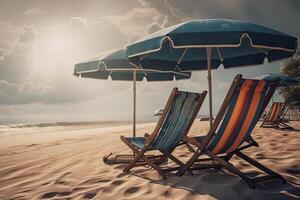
<point x="50" y="52"/>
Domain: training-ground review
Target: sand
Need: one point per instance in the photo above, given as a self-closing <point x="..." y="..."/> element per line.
<point x="66" y="163"/>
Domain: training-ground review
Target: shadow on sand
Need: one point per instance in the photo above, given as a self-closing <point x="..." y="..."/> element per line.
<point x="222" y="185"/>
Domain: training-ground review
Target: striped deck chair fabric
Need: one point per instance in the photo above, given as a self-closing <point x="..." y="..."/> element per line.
<point x="238" y="115"/>
<point x="175" y="124"/>
<point x="276" y="111"/>
<point x="275" y="117"/>
<point x="242" y="114"/>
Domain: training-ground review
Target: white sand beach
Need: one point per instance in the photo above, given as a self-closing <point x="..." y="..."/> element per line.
<point x="66" y="163"/>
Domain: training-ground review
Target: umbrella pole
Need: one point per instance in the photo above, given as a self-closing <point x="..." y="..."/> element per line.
<point x="208" y="52"/>
<point x="134" y="106"/>
<point x="134" y="103"/>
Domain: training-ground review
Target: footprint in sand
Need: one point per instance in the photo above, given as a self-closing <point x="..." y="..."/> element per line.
<point x="95" y="180"/>
<point x="49" y="195"/>
<point x="118" y="182"/>
<point x="130" y="191"/>
<point x="111" y="187"/>
<point x="294" y="170"/>
<point x="121" y="174"/>
<point x="182" y="155"/>
<point x="53" y="194"/>
<point x="89" y="195"/>
<point x="260" y="156"/>
<point x="166" y="193"/>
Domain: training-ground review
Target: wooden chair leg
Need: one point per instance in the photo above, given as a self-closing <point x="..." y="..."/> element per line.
<point x="190" y="162"/>
<point x="252" y="141"/>
<point x="135" y="150"/>
<point x="140" y="155"/>
<point x="232" y="169"/>
<point x="173" y="158"/>
<point x="188" y="146"/>
<point x="227" y="157"/>
<point x="154" y="166"/>
<point x="285" y="125"/>
<point x="260" y="166"/>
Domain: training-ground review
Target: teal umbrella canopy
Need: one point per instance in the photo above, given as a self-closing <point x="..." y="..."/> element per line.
<point x="116" y="66"/>
<point x="233" y="43"/>
<point x="284" y="80"/>
<point x="206" y="44"/>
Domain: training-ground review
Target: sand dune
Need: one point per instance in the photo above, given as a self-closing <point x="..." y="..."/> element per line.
<point x="67" y="163"/>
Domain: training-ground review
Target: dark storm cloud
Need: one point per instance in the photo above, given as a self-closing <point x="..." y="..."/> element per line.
<point x="278" y="14"/>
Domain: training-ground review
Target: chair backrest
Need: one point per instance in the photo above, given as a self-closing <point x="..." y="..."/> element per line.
<point x="247" y="102"/>
<point x="277" y="109"/>
<point x="177" y="119"/>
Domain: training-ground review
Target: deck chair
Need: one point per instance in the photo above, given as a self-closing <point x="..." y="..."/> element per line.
<point x="177" y="118"/>
<point x="275" y="117"/>
<point x="237" y="117"/>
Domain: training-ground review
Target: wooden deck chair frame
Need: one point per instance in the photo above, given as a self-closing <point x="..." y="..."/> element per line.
<point x="140" y="153"/>
<point x="223" y="160"/>
<point x="278" y="122"/>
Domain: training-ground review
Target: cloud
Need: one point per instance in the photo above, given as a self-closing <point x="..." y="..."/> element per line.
<point x="37" y="61"/>
<point x="24" y="93"/>
<point x="171" y="14"/>
<point x="135" y="22"/>
<point x="261" y="12"/>
<point x="153" y="27"/>
<point x="39" y="66"/>
<point x="15" y="63"/>
<point x="27" y="35"/>
<point x="34" y="12"/>
<point x="96" y="35"/>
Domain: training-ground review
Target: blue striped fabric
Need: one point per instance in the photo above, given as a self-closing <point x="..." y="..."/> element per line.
<point x="175" y="124"/>
<point x="239" y="124"/>
<point x="138" y="141"/>
<point x="176" y="121"/>
<point x="226" y="119"/>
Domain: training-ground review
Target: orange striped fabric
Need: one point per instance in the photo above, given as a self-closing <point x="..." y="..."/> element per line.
<point x="235" y="116"/>
<point x="241" y="116"/>
<point x="250" y="116"/>
<point x="275" y="111"/>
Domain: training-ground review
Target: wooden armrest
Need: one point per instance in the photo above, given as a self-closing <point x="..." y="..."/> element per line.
<point x="191" y="140"/>
<point x="146" y="135"/>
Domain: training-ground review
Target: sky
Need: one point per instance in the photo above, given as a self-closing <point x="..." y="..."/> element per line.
<point x="40" y="41"/>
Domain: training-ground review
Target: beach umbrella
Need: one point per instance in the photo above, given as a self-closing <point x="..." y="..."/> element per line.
<point x="115" y="65"/>
<point x="284" y="80"/>
<point x="206" y="44"/>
